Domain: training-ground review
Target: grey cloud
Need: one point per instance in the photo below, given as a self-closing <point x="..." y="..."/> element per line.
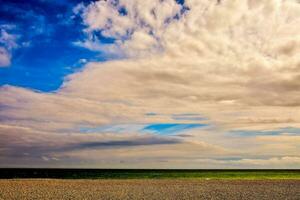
<point x="122" y="143"/>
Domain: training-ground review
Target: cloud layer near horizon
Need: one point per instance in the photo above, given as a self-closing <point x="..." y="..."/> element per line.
<point x="235" y="63"/>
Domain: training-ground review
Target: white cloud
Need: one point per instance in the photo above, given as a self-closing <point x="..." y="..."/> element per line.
<point x="275" y="162"/>
<point x="8" y="40"/>
<point x="137" y="27"/>
<point x="7" y="44"/>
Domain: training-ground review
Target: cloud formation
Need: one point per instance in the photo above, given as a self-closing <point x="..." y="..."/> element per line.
<point x="7" y="44"/>
<point x="236" y="63"/>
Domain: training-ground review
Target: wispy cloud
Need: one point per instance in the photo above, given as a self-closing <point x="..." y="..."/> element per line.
<point x="7" y="44"/>
<point x="280" y="131"/>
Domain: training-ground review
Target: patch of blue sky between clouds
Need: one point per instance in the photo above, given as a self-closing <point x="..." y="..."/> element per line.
<point x="113" y="128"/>
<point x="181" y="123"/>
<point x="155" y="128"/>
<point x="276" y="132"/>
<point x="171" y="128"/>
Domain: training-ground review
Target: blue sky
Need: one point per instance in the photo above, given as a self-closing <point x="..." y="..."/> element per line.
<point x="45" y="32"/>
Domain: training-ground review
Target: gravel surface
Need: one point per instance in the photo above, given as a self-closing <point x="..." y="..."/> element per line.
<point x="149" y="189"/>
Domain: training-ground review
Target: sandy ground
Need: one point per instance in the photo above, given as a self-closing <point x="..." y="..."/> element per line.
<point x="149" y="189"/>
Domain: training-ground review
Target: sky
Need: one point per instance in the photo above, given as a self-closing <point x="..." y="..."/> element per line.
<point x="150" y="84"/>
